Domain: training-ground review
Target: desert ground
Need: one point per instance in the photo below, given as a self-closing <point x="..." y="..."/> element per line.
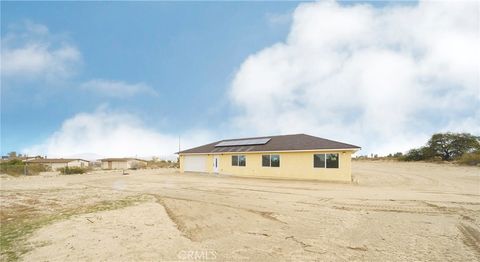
<point x="392" y="212"/>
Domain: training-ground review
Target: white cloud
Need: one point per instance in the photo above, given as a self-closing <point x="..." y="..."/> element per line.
<point x="278" y="18"/>
<point x="30" y="51"/>
<point x="117" y="88"/>
<point x="384" y="79"/>
<point x="113" y="134"/>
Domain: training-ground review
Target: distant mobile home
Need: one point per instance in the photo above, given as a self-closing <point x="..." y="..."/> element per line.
<point x="298" y="156"/>
<point x="122" y="163"/>
<point x="57" y="163"/>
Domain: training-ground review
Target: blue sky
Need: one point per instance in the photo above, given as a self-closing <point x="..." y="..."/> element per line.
<point x="188" y="52"/>
<point x="216" y="70"/>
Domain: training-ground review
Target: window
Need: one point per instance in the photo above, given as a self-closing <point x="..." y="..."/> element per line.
<point x="319" y="160"/>
<point x="271" y="160"/>
<point x="332" y="160"/>
<point x="275" y="160"/>
<point x="266" y="160"/>
<point x="325" y="160"/>
<point x="239" y="160"/>
<point x="242" y="161"/>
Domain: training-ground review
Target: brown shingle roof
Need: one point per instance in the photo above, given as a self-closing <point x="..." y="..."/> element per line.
<point x="296" y="142"/>
<point x="54" y="160"/>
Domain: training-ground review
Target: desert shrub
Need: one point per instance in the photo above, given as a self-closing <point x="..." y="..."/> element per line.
<point x="416" y="154"/>
<point x="138" y="165"/>
<point x="398" y="155"/>
<point x="16" y="167"/>
<point x="470" y="159"/>
<point x="72" y="170"/>
<point x="162" y="164"/>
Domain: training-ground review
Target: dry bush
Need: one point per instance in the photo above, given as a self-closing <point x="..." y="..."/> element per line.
<point x="17" y="167"/>
<point x="162" y="164"/>
<point x="72" y="170"/>
<point x="470" y="159"/>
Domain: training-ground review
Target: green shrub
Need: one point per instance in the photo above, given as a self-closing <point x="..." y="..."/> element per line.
<point x="16" y="168"/>
<point x="72" y="170"/>
<point x="470" y="159"/>
<point x="416" y="154"/>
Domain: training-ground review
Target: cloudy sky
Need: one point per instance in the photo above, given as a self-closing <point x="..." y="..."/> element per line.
<point x="129" y="79"/>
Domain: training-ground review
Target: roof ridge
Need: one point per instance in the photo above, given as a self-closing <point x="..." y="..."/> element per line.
<point x="278" y="142"/>
<point x="258" y="137"/>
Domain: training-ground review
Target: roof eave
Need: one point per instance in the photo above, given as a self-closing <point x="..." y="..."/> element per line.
<point x="354" y="149"/>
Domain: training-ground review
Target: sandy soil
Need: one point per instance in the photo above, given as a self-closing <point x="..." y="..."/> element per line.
<point x="394" y="212"/>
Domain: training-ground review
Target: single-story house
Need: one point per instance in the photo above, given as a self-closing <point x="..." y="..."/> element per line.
<point x="57" y="163"/>
<point x="297" y="156"/>
<point x="122" y="163"/>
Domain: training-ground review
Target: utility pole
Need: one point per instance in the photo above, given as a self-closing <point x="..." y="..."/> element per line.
<point x="25" y="167"/>
<point x="178" y="158"/>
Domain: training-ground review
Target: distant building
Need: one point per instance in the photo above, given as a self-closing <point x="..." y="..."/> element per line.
<point x="122" y="163"/>
<point x="20" y="157"/>
<point x="57" y="163"/>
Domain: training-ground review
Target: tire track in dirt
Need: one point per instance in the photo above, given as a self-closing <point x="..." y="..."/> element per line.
<point x="388" y="208"/>
<point x="179" y="224"/>
<point x="471" y="237"/>
<point x="265" y="214"/>
<point x="319" y="203"/>
<point x="411" y="206"/>
<point x="194" y="234"/>
<point x="306" y="247"/>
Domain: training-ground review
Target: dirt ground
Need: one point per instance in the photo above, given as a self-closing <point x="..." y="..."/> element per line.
<point x="393" y="212"/>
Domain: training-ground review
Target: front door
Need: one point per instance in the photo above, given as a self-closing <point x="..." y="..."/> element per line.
<point x="216" y="163"/>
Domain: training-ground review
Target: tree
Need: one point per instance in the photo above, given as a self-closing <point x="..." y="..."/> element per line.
<point x="450" y="146"/>
<point x="415" y="154"/>
<point x="398" y="154"/>
<point x="12" y="154"/>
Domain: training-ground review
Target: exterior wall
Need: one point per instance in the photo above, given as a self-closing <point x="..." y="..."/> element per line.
<point x="181" y="159"/>
<point x="293" y="165"/>
<point x="123" y="164"/>
<point x="78" y="163"/>
<point x="75" y="163"/>
<point x="55" y="166"/>
<point x="115" y="165"/>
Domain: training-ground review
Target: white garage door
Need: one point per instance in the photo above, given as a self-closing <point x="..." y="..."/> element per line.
<point x="195" y="163"/>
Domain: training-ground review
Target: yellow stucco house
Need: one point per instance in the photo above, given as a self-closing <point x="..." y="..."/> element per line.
<point x="296" y="156"/>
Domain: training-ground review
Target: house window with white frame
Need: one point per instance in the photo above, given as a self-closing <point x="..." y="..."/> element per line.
<point x="239" y="160"/>
<point x="271" y="160"/>
<point x="325" y="161"/>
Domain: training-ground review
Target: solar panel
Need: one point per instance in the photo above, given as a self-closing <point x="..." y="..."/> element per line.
<point x="244" y="142"/>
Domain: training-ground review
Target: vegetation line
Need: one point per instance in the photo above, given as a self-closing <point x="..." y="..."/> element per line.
<point x="14" y="232"/>
<point x="461" y="148"/>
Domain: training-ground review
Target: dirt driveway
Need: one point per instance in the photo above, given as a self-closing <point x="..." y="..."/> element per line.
<point x="394" y="212"/>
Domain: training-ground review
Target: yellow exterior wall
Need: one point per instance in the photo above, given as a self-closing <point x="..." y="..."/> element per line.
<point x="181" y="160"/>
<point x="293" y="165"/>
